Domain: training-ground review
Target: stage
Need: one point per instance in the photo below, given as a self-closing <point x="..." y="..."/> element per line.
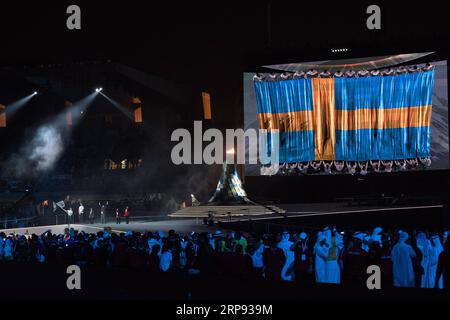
<point x="183" y="226"/>
<point x="294" y="218"/>
<point x="313" y="216"/>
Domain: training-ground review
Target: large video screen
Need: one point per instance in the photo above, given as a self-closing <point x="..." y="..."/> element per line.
<point x="355" y="121"/>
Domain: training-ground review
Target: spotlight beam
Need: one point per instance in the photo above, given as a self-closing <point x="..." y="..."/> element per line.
<point x="118" y="106"/>
<point x="40" y="154"/>
<point x="13" y="107"/>
<point x="77" y="109"/>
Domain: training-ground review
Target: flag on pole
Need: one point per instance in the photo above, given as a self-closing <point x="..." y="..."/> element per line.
<point x="61" y="204"/>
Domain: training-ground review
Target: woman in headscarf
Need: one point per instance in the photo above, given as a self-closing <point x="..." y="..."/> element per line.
<point x="402" y="255"/>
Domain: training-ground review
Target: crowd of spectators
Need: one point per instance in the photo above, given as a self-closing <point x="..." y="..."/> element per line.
<point x="325" y="256"/>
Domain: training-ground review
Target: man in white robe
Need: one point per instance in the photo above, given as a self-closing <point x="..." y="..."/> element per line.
<point x="327" y="234"/>
<point x="435" y="251"/>
<point x="165" y="260"/>
<point x="320" y="254"/>
<point x="366" y="242"/>
<point x="425" y="248"/>
<point x="257" y="256"/>
<point x="402" y="255"/>
<point x="8" y="250"/>
<point x="332" y="268"/>
<point x="287" y="273"/>
<point x="152" y="241"/>
<point x="376" y="236"/>
<point x="340" y="244"/>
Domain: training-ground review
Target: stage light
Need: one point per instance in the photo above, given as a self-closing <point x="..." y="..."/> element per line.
<point x="339" y="50"/>
<point x="98" y="89"/>
<point x="35" y="92"/>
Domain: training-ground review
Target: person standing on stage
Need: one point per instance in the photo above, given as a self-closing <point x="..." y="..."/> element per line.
<point x="126" y="214"/>
<point x="80" y="213"/>
<point x="102" y="212"/>
<point x="70" y="216"/>
<point x="91" y="216"/>
<point x="117" y="216"/>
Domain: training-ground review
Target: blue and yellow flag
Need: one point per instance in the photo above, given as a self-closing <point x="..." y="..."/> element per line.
<point x="351" y="119"/>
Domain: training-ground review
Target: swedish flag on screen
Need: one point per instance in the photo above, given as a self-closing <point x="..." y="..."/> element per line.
<point x="349" y="119"/>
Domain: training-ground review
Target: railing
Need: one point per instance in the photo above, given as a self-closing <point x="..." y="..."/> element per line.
<point x="61" y="219"/>
<point x="15" y="223"/>
<point x="250" y="225"/>
<point x="265" y="225"/>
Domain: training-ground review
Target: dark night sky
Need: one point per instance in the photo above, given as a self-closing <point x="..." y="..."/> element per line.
<point x="208" y="45"/>
<point x="184" y="36"/>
